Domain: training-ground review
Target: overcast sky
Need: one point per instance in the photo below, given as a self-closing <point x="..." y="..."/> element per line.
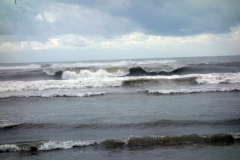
<point x="72" y="30"/>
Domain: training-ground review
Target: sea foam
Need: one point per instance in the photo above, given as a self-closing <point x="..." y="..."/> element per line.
<point x="91" y="82"/>
<point x="31" y="66"/>
<point x="101" y="73"/>
<point x="194" y="90"/>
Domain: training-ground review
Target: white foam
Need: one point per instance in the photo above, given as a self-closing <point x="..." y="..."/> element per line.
<point x="212" y="78"/>
<point x="55" y="84"/>
<point x="236" y="136"/>
<point x="31" y="66"/>
<point x="65" y="145"/>
<point x="6" y="125"/>
<point x="46" y="95"/>
<point x="216" y="78"/>
<point x="101" y="73"/>
<point x="50" y="145"/>
<point x="197" y="90"/>
<point x="93" y="82"/>
<point x="87" y="94"/>
<point x="110" y="64"/>
<point x="9" y="148"/>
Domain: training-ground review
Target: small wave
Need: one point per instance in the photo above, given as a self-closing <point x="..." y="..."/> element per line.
<point x="8" y="125"/>
<point x="52" y="94"/>
<point x="159" y="79"/>
<point x="31" y="66"/>
<point x="140" y="71"/>
<point x="198" y="90"/>
<point x="141" y="125"/>
<point x="52" y="72"/>
<point x="44" y="145"/>
<point x="150" y="141"/>
<point x="87" y="94"/>
<point x="55" y="84"/>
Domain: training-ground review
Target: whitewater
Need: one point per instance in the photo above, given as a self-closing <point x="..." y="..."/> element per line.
<point x="124" y="109"/>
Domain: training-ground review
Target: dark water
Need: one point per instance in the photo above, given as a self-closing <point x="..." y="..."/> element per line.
<point x="186" y="108"/>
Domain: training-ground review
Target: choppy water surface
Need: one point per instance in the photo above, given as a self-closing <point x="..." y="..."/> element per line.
<point x="181" y="108"/>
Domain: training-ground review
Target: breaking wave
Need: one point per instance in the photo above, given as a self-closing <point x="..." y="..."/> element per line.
<point x="109" y="64"/>
<point x="101" y="73"/>
<point x="131" y="142"/>
<point x="214" y="78"/>
<point x="157" y="67"/>
<point x="54" y="84"/>
<point x="52" y="94"/>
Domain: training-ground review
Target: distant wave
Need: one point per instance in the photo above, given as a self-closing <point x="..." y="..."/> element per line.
<point x="183" y="70"/>
<point x="137" y="71"/>
<point x="8" y="125"/>
<point x="214" y="78"/>
<point x="31" y="66"/>
<point x="197" y="90"/>
<point x="136" y="68"/>
<point x="52" y="94"/>
<point x="140" y="71"/>
<point x="150" y="124"/>
<point x="131" y="142"/>
<point x="109" y="64"/>
<point x="28" y="75"/>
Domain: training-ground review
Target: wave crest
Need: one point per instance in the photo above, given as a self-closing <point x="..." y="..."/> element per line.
<point x="216" y="78"/>
<point x="101" y="73"/>
<point x="51" y="94"/>
<point x="110" y="64"/>
<point x="223" y="138"/>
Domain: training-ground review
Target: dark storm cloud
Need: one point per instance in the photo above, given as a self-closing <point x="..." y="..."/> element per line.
<point x="110" y="18"/>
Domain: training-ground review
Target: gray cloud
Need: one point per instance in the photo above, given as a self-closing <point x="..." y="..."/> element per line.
<point x="40" y="20"/>
<point x="176" y="18"/>
<point x="37" y="20"/>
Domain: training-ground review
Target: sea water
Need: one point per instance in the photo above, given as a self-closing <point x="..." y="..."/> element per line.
<point x="178" y="108"/>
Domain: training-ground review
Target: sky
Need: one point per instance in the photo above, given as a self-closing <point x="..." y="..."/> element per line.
<point x="77" y="30"/>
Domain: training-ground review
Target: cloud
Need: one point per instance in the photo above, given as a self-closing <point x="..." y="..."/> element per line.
<point x="39" y="17"/>
<point x="111" y="18"/>
<point x="127" y="41"/>
<point x="159" y="26"/>
<point x="173" y="18"/>
<point x="47" y="16"/>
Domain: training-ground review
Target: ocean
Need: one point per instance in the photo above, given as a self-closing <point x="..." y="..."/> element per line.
<point x="172" y="108"/>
